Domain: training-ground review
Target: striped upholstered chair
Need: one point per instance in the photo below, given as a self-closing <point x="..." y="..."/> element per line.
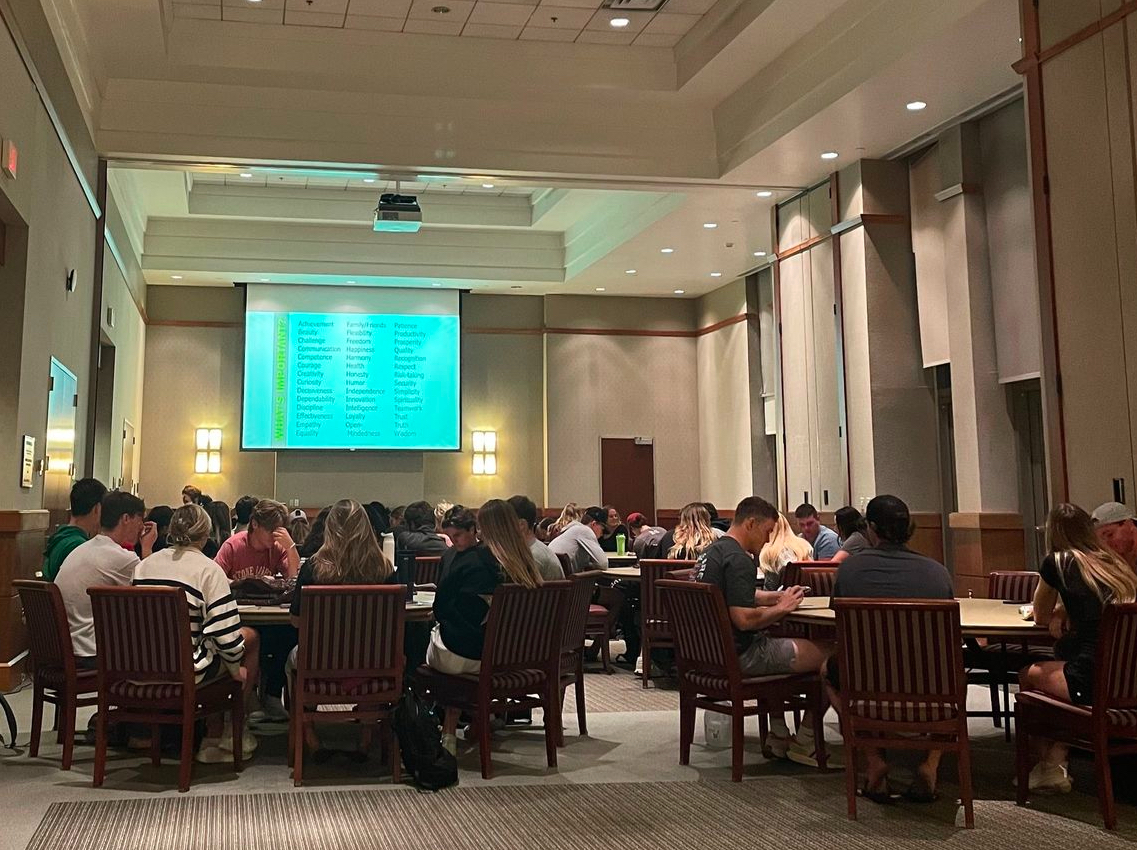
<point x="146" y="673"/>
<point x="1108" y="728"/>
<point x="819" y="580"/>
<point x="710" y="678"/>
<point x="349" y="660"/>
<point x="902" y="683"/>
<point x="521" y="664"/>
<point x="56" y="680"/>
<point x="655" y="631"/>
<point x="428" y="569"/>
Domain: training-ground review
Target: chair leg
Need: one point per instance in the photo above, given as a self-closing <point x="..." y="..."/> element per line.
<point x="1007" y="709"/>
<point x="1022" y="757"/>
<point x="819" y="730"/>
<point x="68" y="707"/>
<point x="645" y="658"/>
<point x="100" y="770"/>
<point x="996" y="705"/>
<point x="554" y="724"/>
<point x="686" y="725"/>
<point x="155" y="744"/>
<point x="737" y="730"/>
<point x="963" y="759"/>
<point x="396" y="754"/>
<point x="237" y="701"/>
<point x="483" y="719"/>
<point x="561" y="708"/>
<point x="297" y="744"/>
<point x="581" y="708"/>
<point x="1105" y="783"/>
<point x="185" y="766"/>
<point x="606" y="655"/>
<point x="850" y="776"/>
<point x="37" y="721"/>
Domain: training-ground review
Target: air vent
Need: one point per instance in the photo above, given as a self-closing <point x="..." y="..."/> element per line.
<point x="635" y="5"/>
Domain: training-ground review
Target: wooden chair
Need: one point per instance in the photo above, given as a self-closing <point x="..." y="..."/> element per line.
<point x="1108" y="728"/>
<point x="792" y="572"/>
<point x="521" y="664"/>
<point x="710" y="677"/>
<point x="566" y="564"/>
<point x="687" y="574"/>
<point x="428" y="570"/>
<point x="572" y="649"/>
<point x="902" y="683"/>
<point x="655" y="631"/>
<point x="603" y="612"/>
<point x="56" y="679"/>
<point x="146" y="674"/>
<point x="819" y="580"/>
<point x="350" y="652"/>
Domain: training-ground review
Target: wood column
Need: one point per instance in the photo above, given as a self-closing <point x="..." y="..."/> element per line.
<point x="982" y="543"/>
<point x="22" y="538"/>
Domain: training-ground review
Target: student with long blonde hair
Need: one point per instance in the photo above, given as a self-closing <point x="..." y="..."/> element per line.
<point x="784" y="547"/>
<point x="501" y="533"/>
<point x="1086" y="576"/>
<point x="692" y="535"/>
<point x="571" y="513"/>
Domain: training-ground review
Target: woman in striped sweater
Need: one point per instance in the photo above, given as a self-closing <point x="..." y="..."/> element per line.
<point x="221" y="646"/>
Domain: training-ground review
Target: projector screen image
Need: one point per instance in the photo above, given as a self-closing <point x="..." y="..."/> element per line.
<point x="346" y="367"/>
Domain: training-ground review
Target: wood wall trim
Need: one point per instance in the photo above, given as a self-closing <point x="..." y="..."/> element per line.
<point x="1038" y="56"/>
<point x="985" y="520"/>
<point x="801" y="248"/>
<point x="505" y="331"/>
<point x="14" y="522"/>
<point x="958" y="189"/>
<point x="190" y="323"/>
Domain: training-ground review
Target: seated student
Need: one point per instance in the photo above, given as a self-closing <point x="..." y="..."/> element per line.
<point x="265" y="549"/>
<point x="221" y="646"/>
<point x="823" y="539"/>
<point x="191" y="495"/>
<point x="462" y="603"/>
<point x="1116" y="528"/>
<point x="544" y="529"/>
<point x="160" y="515"/>
<point x="315" y="538"/>
<point x="691" y="537"/>
<point x="613" y="526"/>
<point x="1086" y="576"/>
<point x="417" y="533"/>
<point x="645" y="536"/>
<point x="82" y="524"/>
<point x="580" y="540"/>
<point x="784" y="547"/>
<point x="570" y="514"/>
<point x="439" y="512"/>
<point x="461" y="526"/>
<point x="888" y="569"/>
<point x="298" y="528"/>
<point x="106" y="559"/>
<point x="222" y="529"/>
<point x="242" y="511"/>
<point x="350" y="554"/>
<point x="719" y="525"/>
<point x="852" y="530"/>
<point x="397" y="515"/>
<point x="548" y="564"/>
<point x="728" y="563"/>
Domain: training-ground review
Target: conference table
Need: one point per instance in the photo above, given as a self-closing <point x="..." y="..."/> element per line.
<point x="986" y="618"/>
<point x="421" y="609"/>
<point x="626" y="573"/>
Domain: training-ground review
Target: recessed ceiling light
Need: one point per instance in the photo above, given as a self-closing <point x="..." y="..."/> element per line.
<point x="619" y="23"/>
<point x="667" y="250"/>
<point x="679" y="291"/>
<point x="246" y="174"/>
<point x="629" y="271"/>
<point x="600" y="289"/>
<point x="441" y="10"/>
<point x="368" y="179"/>
<point x="175" y="277"/>
<point x="759" y="253"/>
<point x="487" y="185"/>
<point x="254" y="1"/>
<point x="709" y="225"/>
<point x="516" y="286"/>
<point x="716" y="274"/>
<point x="916" y="106"/>
<point x="830" y="155"/>
<point x="765" y="193"/>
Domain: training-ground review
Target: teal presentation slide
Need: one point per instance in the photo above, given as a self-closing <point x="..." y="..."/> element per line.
<point x="351" y="381"/>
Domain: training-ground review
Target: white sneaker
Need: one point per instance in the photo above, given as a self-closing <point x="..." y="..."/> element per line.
<point x="274" y="709"/>
<point x="777" y="745"/>
<point x="803" y="750"/>
<point x="210" y="752"/>
<point x="450" y="744"/>
<point x="1050" y="779"/>
<point x="248" y="745"/>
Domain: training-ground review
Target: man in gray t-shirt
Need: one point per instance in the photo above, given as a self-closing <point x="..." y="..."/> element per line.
<point x="581" y="541"/>
<point x="822" y="538"/>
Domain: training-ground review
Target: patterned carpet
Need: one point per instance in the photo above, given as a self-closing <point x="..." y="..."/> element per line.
<point x="622" y="691"/>
<point x="774" y="812"/>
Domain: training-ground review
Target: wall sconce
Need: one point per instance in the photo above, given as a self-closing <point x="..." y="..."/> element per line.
<point x="207" y="460"/>
<point x="485" y="453"/>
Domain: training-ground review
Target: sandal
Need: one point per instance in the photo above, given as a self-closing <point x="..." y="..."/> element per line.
<point x="882" y="796"/>
<point x="919" y="792"/>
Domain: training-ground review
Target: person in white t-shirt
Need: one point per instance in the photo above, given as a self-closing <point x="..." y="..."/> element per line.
<point x="106" y="559"/>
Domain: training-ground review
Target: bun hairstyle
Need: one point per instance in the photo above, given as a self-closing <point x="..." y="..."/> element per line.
<point x="189" y="526"/>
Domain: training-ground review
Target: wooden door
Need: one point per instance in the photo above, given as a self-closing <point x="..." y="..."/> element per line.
<point x="627" y="474"/>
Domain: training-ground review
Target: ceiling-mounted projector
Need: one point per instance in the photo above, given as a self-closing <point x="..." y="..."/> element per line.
<point x="398" y="214"/>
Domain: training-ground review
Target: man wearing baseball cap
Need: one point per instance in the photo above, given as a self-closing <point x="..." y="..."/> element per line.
<point x="1117" y="528"/>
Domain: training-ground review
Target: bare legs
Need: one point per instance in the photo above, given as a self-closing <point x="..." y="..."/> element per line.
<point x="1050" y="678"/>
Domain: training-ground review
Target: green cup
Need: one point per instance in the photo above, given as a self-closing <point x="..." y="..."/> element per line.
<point x="621" y="544"/>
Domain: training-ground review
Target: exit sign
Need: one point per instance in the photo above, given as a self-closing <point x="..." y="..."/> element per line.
<point x="9" y="158"/>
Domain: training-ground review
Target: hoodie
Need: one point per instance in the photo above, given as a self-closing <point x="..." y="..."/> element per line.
<point x="59" y="546"/>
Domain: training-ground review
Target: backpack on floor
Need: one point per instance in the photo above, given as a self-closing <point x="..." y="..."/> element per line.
<point x="424" y="757"/>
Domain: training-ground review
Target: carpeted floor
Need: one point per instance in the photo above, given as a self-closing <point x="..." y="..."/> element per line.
<point x="622" y="691"/>
<point x="772" y="813"/>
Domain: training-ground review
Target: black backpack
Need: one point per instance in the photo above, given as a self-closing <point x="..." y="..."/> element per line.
<point x="424" y="757"/>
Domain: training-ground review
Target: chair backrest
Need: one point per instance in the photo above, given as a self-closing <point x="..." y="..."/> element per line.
<point x="903" y="653"/>
<point x="576" y="620"/>
<point x="1014" y="586"/>
<point x="687" y="574"/>
<point x="49" y="636"/>
<point x="1115" y="680"/>
<point x="700" y="628"/>
<point x="651" y="571"/>
<point x="566" y="564"/>
<point x="819" y="580"/>
<point x="143" y="634"/>
<point x="428" y="569"/>
<point x="351" y="631"/>
<point x="525" y="628"/>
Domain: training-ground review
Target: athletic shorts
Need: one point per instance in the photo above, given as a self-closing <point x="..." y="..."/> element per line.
<point x="767" y="656"/>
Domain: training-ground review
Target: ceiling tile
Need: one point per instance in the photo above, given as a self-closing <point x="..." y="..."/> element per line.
<point x="194" y="10"/>
<point x="502" y="14"/>
<point x="380" y="8"/>
<point x="566" y="18"/>
<point x="636" y="22"/>
<point x="370" y="22"/>
<point x="657" y="39"/>
<point x="598" y="37"/>
<point x="670" y="24"/>
<point x="254" y="15"/>
<point x="543" y="34"/>
<point x="689" y="7"/>
<point x="459" y="11"/>
<point x="324" y="7"/>
<point x="246" y="4"/>
<point x="492" y="31"/>
<point x="434" y="27"/>
<point x="313" y="19"/>
<point x="576" y="4"/>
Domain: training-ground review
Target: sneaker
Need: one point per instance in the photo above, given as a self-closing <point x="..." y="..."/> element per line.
<point x="274" y="709"/>
<point x="254" y="712"/>
<point x="802" y="750"/>
<point x="450" y="744"/>
<point x="248" y="744"/>
<point x="777" y="745"/>
<point x="210" y="752"/>
<point x="1050" y="779"/>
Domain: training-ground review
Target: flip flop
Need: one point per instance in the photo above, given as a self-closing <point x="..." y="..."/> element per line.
<point x="885" y="797"/>
<point x="919" y="792"/>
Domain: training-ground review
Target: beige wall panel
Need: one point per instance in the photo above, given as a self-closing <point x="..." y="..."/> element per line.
<point x="724" y="411"/>
<point x="797" y="381"/>
<point x="792" y="227"/>
<point x="830" y="481"/>
<point x="1058" y="19"/>
<point x="850" y="190"/>
<point x="1086" y="282"/>
<point x="321" y="478"/>
<point x="763" y="382"/>
<point x="722" y="304"/>
<point x="589" y="397"/>
<point x="585" y="311"/>
<point x="196" y="304"/>
<point x="886" y="189"/>
<point x="928" y="248"/>
<point x="858" y="377"/>
<point x="819" y="209"/>
<point x="129" y="338"/>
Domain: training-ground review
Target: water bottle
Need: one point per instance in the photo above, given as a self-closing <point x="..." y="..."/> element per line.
<point x="621" y="544"/>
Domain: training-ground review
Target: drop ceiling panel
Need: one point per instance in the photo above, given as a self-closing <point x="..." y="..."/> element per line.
<point x="649" y="39"/>
<point x="688" y="7"/>
<point x="566" y="18"/>
<point x="380" y="8"/>
<point x="501" y="14"/>
<point x="597" y="37"/>
<point x="544" y="34"/>
<point x="374" y="23"/>
<point x="491" y="31"/>
<point x="671" y="24"/>
<point x="245" y="4"/>
<point x="253" y="15"/>
<point x="326" y="7"/>
<point x="434" y="27"/>
<point x="459" y="10"/>
<point x="313" y="19"/>
<point x="601" y="22"/>
<point x="197" y="10"/>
